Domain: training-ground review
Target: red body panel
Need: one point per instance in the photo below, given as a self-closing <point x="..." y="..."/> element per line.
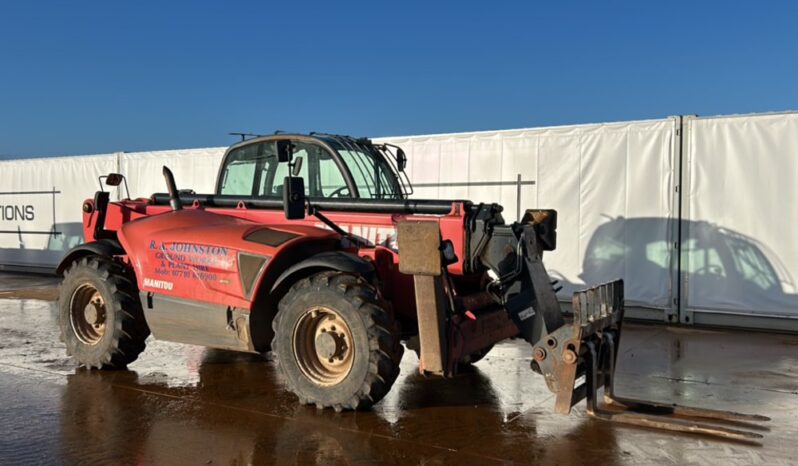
<point x="378" y="229"/>
<point x="194" y="254"/>
<point x="173" y="252"/>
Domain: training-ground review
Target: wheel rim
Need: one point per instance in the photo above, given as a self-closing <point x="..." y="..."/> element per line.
<point x="323" y="346"/>
<point x="87" y="314"/>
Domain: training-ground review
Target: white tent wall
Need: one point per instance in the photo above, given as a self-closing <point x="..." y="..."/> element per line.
<point x="740" y="256"/>
<point x="53" y="190"/>
<point x="612" y="185"/>
<point x="41" y="201"/>
<point x="193" y="169"/>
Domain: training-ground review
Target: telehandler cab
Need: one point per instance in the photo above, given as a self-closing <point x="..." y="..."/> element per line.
<point x="311" y="247"/>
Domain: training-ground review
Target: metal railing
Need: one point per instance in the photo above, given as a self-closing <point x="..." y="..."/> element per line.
<point x="518" y="183"/>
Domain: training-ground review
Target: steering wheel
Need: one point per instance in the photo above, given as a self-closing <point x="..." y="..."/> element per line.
<point x="338" y="191"/>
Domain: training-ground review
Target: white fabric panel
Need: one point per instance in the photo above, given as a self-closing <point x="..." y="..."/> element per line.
<point x="612" y="185"/>
<point x="519" y="156"/>
<point x="41" y="206"/>
<point x="740" y="252"/>
<point x="452" y="166"/>
<point x="485" y="159"/>
<point x="195" y="169"/>
<point x="424" y="167"/>
<point x="557" y="183"/>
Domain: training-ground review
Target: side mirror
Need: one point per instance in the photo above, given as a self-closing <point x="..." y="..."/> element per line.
<point x="114" y="179"/>
<point x="294" y="198"/>
<point x="285" y="150"/>
<point x="297" y="166"/>
<point x="401" y="160"/>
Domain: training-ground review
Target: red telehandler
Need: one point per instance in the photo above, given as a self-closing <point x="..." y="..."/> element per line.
<point x="312" y="248"/>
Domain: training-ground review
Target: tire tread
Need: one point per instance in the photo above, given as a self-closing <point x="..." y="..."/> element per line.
<point x="130" y="329"/>
<point x="382" y="329"/>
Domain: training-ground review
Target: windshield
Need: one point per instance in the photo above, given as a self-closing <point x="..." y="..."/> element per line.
<point x="373" y="176"/>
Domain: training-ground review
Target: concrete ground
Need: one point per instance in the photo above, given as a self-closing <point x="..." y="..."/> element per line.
<point x="181" y="404"/>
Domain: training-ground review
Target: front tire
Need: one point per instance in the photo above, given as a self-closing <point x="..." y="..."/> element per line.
<point x="99" y="314"/>
<point x="337" y="344"/>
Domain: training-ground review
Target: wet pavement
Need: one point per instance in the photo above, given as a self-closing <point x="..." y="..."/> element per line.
<point x="181" y="404"/>
<point x="28" y="286"/>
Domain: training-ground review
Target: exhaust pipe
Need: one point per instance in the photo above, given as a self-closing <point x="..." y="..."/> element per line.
<point x="174" y="197"/>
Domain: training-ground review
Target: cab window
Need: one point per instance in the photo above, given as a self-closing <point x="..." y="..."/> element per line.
<point x="372" y="175"/>
<point x="239" y="171"/>
<point x="274" y="173"/>
<point x="327" y="180"/>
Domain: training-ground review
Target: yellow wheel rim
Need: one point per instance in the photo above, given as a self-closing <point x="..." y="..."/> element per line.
<point x="323" y="346"/>
<point x="87" y="314"/>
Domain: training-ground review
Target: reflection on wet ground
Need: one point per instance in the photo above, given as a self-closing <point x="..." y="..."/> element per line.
<point x="182" y="404"/>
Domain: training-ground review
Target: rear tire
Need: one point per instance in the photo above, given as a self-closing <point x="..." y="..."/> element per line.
<point x="337" y="344"/>
<point x="99" y="314"/>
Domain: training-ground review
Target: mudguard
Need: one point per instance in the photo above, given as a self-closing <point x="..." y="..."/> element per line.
<point x="333" y="260"/>
<point x="103" y="247"/>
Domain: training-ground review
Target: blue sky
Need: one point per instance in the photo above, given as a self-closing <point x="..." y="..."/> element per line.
<point x="92" y="77"/>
